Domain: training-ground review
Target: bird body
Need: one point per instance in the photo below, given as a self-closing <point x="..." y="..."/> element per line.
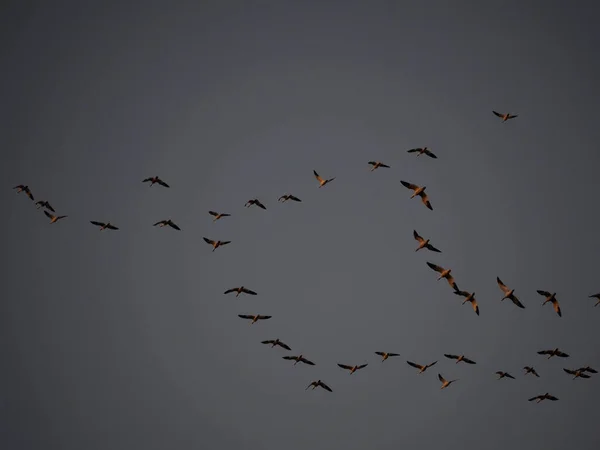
<point x="444" y="273"/>
<point x="577" y="373"/>
<point x="418" y="190"/>
<point x="530" y="370"/>
<point x="469" y="297"/>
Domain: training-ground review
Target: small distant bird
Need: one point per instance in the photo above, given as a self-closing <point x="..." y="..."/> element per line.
<point x="155" y="179"/>
<point x="508" y="293"/>
<point x="275" y="342"/>
<point x="420" y="367"/>
<point x="44" y="204"/>
<point x="551" y="353"/>
<point x="215" y="244"/>
<point x="169" y="222"/>
<point x="104" y="226"/>
<point x="322" y="181"/>
<point x="421" y="151"/>
<point x="418" y="190"/>
<point x="445" y="383"/>
<point x="424" y="243"/>
<point x="504" y="375"/>
<point x="530" y="370"/>
<point x="256" y="202"/>
<point x="352" y="369"/>
<point x="253" y="318"/>
<point x="545" y="396"/>
<point x="551" y="298"/>
<point x="444" y="273"/>
<point x="597" y="297"/>
<point x="588" y="369"/>
<point x="318" y="383"/>
<point x="217" y="215"/>
<point x="23" y="188"/>
<point x="53" y="218"/>
<point x="578" y="373"/>
<point x="386" y="355"/>
<point x="299" y="358"/>
<point x="377" y="164"/>
<point x="284" y="198"/>
<point x="239" y="290"/>
<point x="506" y="116"/>
<point x="469" y="297"/>
<point x="460" y="358"/>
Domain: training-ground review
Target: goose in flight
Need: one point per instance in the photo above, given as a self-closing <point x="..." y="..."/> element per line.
<point x="284" y="198"/>
<point x="24" y="188"/>
<point x="155" y="179"/>
<point x="215" y="244"/>
<point x="551" y="353"/>
<point x="422" y="151"/>
<point x="424" y="243"/>
<point x="551" y="298"/>
<point x="316" y="384"/>
<point x="530" y="370"/>
<point x="44" y="204"/>
<point x="460" y="358"/>
<point x="54" y="218"/>
<point x="444" y="273"/>
<point x="504" y="375"/>
<point x="322" y="181"/>
<point x="545" y="396"/>
<point x="386" y="355"/>
<point x="506" y="116"/>
<point x="597" y="297"/>
<point x="275" y="342"/>
<point x="587" y="369"/>
<point x="256" y="202"/>
<point x="577" y="373"/>
<point x="420" y="367"/>
<point x="104" y="226"/>
<point x="445" y="383"/>
<point x="217" y="215"/>
<point x="169" y="222"/>
<point x="377" y="164"/>
<point x="253" y="318"/>
<point x="352" y="369"/>
<point x="239" y="290"/>
<point x="418" y="190"/>
<point x="469" y="297"/>
<point x="508" y="293"/>
<point x="299" y="358"/>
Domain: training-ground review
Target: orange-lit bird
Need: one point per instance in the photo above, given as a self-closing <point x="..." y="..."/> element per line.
<point x="254" y="318"/>
<point x="322" y="181"/>
<point x="552" y="299"/>
<point x="215" y="244"/>
<point x="418" y="190"/>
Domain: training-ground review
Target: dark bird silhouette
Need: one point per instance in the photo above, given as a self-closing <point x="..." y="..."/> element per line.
<point x="256" y="202"/>
<point x="530" y="370"/>
<point x="215" y="244"/>
<point x="284" y="198"/>
<point x="54" y="218"/>
<point x="318" y="383"/>
<point x="444" y="273"/>
<point x="155" y="179"/>
<point x="254" y="318"/>
<point x="504" y="375"/>
<point x="386" y="355"/>
<point x="587" y="369"/>
<point x="239" y="290"/>
<point x="422" y="151"/>
<point x="377" y="165"/>
<point x="352" y="369"/>
<point x="551" y="353"/>
<point x="545" y="396"/>
<point x="299" y="358"/>
<point x="44" y="204"/>
<point x="217" y="215"/>
<point x="445" y="383"/>
<point x="104" y="226"/>
<point x="469" y="297"/>
<point x="24" y="188"/>
<point x="506" y="116"/>
<point x="577" y="373"/>
<point x="274" y="342"/>
<point x="460" y="358"/>
<point x="597" y="297"/>
<point x="167" y="222"/>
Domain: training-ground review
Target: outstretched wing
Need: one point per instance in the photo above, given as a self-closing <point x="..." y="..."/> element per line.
<point x="570" y="372"/>
<point x="159" y="222"/>
<point x="248" y="291"/>
<point x="111" y="227"/>
<point x="173" y="225"/>
<point x="544" y="293"/>
<point x="228" y="291"/>
<point x="469" y="361"/>
<point x="413" y="150"/>
<point x="497" y="114"/>
<point x="245" y="316"/>
<point x="99" y="224"/>
<point x="296" y="199"/>
<point x="270" y="341"/>
<point x="430" y="154"/>
<point x="287" y="347"/>
<point x="48" y="214"/>
<point x="162" y="183"/>
<point x="450" y="356"/>
<point x="225" y="243"/>
<point x="408" y="185"/>
<point x="344" y="366"/>
<point x="417" y="236"/>
<point x="380" y="353"/>
<point x="317" y="176"/>
<point x="324" y="386"/>
<point x="213" y="213"/>
<point x="502" y="286"/>
<point x="441" y="378"/>
<point x="416" y="366"/>
<point x="562" y="354"/>
<point x="435" y="267"/>
<point x="362" y="366"/>
<point x="208" y="241"/>
<point x="259" y="317"/>
<point x="393" y="354"/>
<point x="425" y="200"/>
<point x="433" y="249"/>
<point x="306" y="361"/>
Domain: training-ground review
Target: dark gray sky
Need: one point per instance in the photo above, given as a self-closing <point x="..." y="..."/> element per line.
<point x="125" y="340"/>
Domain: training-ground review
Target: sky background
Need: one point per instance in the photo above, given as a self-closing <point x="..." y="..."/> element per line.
<point x="121" y="340"/>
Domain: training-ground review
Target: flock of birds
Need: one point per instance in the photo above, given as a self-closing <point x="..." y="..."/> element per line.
<point x="508" y="293"/>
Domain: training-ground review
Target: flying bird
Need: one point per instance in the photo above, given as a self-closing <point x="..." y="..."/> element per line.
<point x="169" y="222"/>
<point x="284" y="198"/>
<point x="460" y="358"/>
<point x="44" y="204"/>
<point x="445" y="383"/>
<point x="551" y="298"/>
<point x="597" y="297"/>
<point x="155" y="179"/>
<point x="104" y="226"/>
<point x="386" y="355"/>
<point x="420" y="367"/>
<point x="215" y="244"/>
<point x="377" y="164"/>
<point x="422" y="151"/>
<point x="352" y="369"/>
<point x="588" y="369"/>
<point x="299" y="358"/>
<point x="418" y="190"/>
<point x="256" y="202"/>
<point x="318" y="383"/>
<point x="239" y="290"/>
<point x="275" y="342"/>
<point x="322" y="181"/>
<point x="217" y="215"/>
<point x="545" y="396"/>
<point x="530" y="370"/>
<point x="506" y="116"/>
<point x="53" y="218"/>
<point x="253" y="318"/>
<point x="424" y="243"/>
<point x="444" y="273"/>
<point x="551" y="353"/>
<point x="469" y="297"/>
<point x="508" y="293"/>
<point x="23" y="188"/>
<point x="578" y="373"/>
<point x="504" y="375"/>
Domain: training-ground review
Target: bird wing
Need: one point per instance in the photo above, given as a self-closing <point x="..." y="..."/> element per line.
<point x="306" y="361"/>
<point x="393" y="354"/>
<point x="450" y="356"/>
<point x="475" y="306"/>
<point x="590" y="370"/>
<point x="571" y="372"/>
<point x="416" y="366"/>
<point x="146" y="179"/>
<point x="417" y="236"/>
<point x="497" y="114"/>
<point x="259" y="317"/>
<point x="296" y="199"/>
<point x="510" y="376"/>
<point x="544" y="293"/>
<point x="260" y="205"/>
<point x="159" y="222"/>
<point x="49" y="207"/>
<point x="435" y="267"/>
<point x="384" y="165"/>
<point x="561" y="354"/>
<point x="502" y="286"/>
<point x="225" y="243"/>
<point x="512" y="116"/>
<point x="213" y="213"/>
<point x="461" y="293"/>
<point x="324" y="386"/>
<point x="281" y="344"/>
<point x="433" y="249"/>
<point x="408" y="185"/>
<point x="270" y="341"/>
<point x="245" y="316"/>
<point x="372" y="163"/>
<point x="111" y="227"/>
<point x="551" y="397"/>
<point x="48" y="214"/>
<point x="534" y="398"/>
<point x="344" y="366"/>
<point x="228" y="291"/>
<point x="413" y="150"/>
<point x="173" y="225"/>
<point x="430" y="154"/>
<point x="248" y="291"/>
<point x="432" y="364"/>
<point x="317" y="176"/>
<point x="557" y="308"/>
<point x="162" y="183"/>
<point x="380" y="353"/>
<point x="208" y="241"/>
<point x="583" y="375"/>
<point x="441" y="378"/>
<point x="425" y="200"/>
<point x="469" y="361"/>
<point x="516" y="301"/>
<point x="289" y="358"/>
<point x="100" y="224"/>
<point x="362" y="366"/>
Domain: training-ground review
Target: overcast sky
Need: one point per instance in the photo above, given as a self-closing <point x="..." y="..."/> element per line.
<point x="124" y="339"/>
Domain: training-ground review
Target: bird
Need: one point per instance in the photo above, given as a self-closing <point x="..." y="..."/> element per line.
<point x="469" y="297"/>
<point x="597" y="297"/>
<point x="155" y="179"/>
<point x="460" y="358"/>
<point x="424" y="243"/>
<point x="531" y="370"/>
<point x="215" y="244"/>
<point x="318" y="383"/>
<point x="509" y="293"/>
<point x="104" y="226"/>
<point x="44" y="204"/>
<point x="239" y="290"/>
<point x="217" y="215"/>
<point x="444" y="273"/>
<point x="352" y="369"/>
<point x="254" y="318"/>
<point x="418" y="190"/>
<point x="299" y="358"/>
<point x="545" y="396"/>
<point x="506" y="116"/>
<point x="551" y="298"/>
<point x="504" y="375"/>
<point x="421" y="151"/>
<point x="322" y="181"/>
<point x="53" y="218"/>
<point x="275" y="342"/>
<point x="169" y="222"/>
<point x="386" y="355"/>
<point x="377" y="164"/>
<point x="551" y="353"/>
<point x="24" y="188"/>
<point x="420" y="367"/>
<point x="256" y="202"/>
<point x="284" y="198"/>
<point x="445" y="383"/>
<point x="588" y="369"/>
<point x="578" y="373"/>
